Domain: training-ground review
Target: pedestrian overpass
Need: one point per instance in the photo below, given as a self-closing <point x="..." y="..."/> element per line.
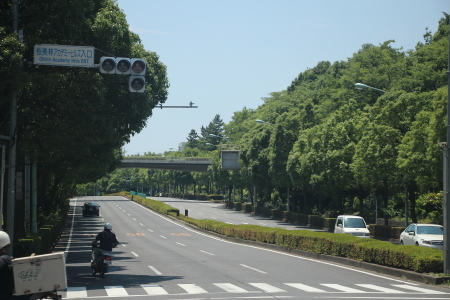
<point x="188" y="164"/>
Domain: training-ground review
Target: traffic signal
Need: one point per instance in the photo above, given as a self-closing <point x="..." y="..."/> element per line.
<point x="136" y="84"/>
<point x="126" y="66"/>
<point x="123" y="66"/>
<point x="107" y="65"/>
<point x="138" y="66"/>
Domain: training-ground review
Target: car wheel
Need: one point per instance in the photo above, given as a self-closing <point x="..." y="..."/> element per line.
<point x="401" y="242"/>
<point x="417" y="244"/>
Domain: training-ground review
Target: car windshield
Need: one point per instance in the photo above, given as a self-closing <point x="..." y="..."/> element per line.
<point x="429" y="230"/>
<point x="354" y="223"/>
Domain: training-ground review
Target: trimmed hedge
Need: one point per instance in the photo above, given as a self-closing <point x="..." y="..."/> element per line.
<point x="47" y="236"/>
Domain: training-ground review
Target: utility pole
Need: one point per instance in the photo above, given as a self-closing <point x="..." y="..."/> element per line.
<point x="11" y="199"/>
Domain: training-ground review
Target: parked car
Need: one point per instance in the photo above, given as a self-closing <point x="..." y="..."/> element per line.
<point x="353" y="225"/>
<point x="427" y="235"/>
<point x="91" y="208"/>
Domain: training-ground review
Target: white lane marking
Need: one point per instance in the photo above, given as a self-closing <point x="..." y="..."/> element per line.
<point x="66" y="252"/>
<point x="150" y="230"/>
<point x="180" y="244"/>
<point x="418" y="289"/>
<point x="124" y="210"/>
<point x="213" y="218"/>
<point x="230" y="288"/>
<point x="206" y="252"/>
<point x="134" y="219"/>
<point x="229" y="223"/>
<point x="114" y="291"/>
<point x="253" y="269"/>
<point x="134" y="253"/>
<point x="123" y="245"/>
<point x="155" y="270"/>
<point x="76" y="292"/>
<point x="154" y="290"/>
<point x="141" y="224"/>
<point x="129" y="215"/>
<point x="267" y="288"/>
<point x="342" y="288"/>
<point x="305" y="288"/>
<point x="380" y="288"/>
<point x="269" y="250"/>
<point x="163" y="237"/>
<point x="192" y="289"/>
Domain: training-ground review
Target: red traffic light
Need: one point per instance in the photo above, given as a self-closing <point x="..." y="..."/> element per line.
<point x="138" y="66"/>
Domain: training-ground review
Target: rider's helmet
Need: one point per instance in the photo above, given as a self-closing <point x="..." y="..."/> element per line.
<point x="4" y="239"/>
<point x="108" y="226"/>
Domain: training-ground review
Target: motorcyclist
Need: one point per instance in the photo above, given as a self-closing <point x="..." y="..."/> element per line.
<point x="107" y="240"/>
<point x="6" y="273"/>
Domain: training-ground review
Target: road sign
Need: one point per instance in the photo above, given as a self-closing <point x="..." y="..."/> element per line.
<point x="62" y="55"/>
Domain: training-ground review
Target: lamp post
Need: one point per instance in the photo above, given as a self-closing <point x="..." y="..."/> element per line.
<point x="261" y="121"/>
<point x="447" y="180"/>
<point x="361" y="86"/>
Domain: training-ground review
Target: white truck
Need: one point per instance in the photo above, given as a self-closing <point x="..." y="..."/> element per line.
<point x="353" y="225"/>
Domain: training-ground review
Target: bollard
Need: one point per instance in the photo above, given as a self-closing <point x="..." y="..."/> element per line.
<point x="186" y="212"/>
<point x="178" y="212"/>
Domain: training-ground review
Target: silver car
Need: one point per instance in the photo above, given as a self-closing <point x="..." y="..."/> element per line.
<point x="427" y="235"/>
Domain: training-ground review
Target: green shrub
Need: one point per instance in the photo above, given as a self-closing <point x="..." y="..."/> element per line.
<point x="302" y="219"/>
<point x="386" y="231"/>
<point x="277" y="214"/>
<point x="316" y="221"/>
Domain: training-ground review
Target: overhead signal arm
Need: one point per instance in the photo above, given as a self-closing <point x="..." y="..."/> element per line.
<point x="191" y="105"/>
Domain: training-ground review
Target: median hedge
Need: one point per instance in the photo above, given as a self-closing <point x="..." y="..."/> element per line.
<point x="418" y="259"/>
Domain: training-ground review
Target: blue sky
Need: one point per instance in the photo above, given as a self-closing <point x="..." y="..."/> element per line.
<point x="227" y="55"/>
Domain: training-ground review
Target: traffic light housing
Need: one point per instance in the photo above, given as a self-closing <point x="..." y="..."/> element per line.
<point x="107" y="65"/>
<point x="126" y="66"/>
<point x="123" y="66"/>
<point x="138" y="66"/>
<point x="136" y="84"/>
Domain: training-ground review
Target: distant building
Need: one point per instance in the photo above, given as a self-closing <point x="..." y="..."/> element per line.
<point x="181" y="146"/>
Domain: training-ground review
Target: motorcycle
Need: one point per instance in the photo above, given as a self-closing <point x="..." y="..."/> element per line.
<point x="103" y="264"/>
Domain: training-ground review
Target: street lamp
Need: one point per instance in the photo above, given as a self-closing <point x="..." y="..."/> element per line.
<point x="446" y="180"/>
<point x="261" y="121"/>
<point x="361" y="86"/>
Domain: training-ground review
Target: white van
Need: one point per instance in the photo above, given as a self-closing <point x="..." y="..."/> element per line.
<point x="353" y="225"/>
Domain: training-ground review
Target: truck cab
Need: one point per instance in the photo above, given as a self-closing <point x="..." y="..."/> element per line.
<point x="353" y="225"/>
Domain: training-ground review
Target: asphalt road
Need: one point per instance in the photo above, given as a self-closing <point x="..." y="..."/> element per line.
<point x="159" y="258"/>
<point x="218" y="212"/>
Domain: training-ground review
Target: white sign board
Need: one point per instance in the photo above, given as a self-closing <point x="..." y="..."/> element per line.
<point x="61" y="55"/>
<point x="230" y="160"/>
